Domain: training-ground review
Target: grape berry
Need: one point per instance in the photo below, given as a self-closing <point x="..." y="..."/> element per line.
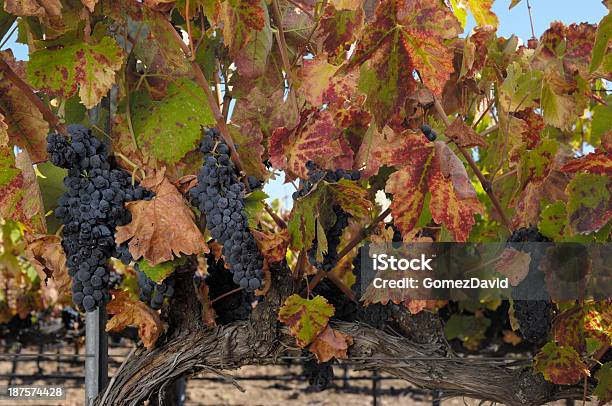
<point x="152" y="293"/>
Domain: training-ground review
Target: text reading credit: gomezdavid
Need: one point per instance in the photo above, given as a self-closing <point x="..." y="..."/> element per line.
<point x="384" y="262"/>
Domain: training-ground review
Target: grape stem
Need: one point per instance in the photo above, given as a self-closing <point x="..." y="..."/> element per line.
<point x="226" y="294"/>
<point x="212" y="102"/>
<point x="27" y="91"/>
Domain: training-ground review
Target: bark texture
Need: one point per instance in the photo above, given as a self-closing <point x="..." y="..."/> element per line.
<point x="261" y="339"/>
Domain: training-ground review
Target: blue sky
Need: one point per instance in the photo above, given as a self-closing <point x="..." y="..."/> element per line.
<point x="515" y="21"/>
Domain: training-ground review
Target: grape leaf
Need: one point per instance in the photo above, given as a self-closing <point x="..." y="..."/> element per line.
<point x="453" y="198"/>
<point x="338" y="25"/>
<point x="306" y="318"/>
<point x="520" y="88"/>
<point x="553" y="220"/>
<point x="158" y="272"/>
<point x="602" y="41"/>
<point x="558" y="105"/>
<point x="240" y="19"/>
<point x="20" y="198"/>
<point x="475" y="51"/>
<point x="590" y="202"/>
<point x="314" y="77"/>
<point x="162" y="227"/>
<point x="169" y="128"/>
<point x="4" y="137"/>
<point x="46" y="255"/>
<point x="128" y="312"/>
<point x="251" y="60"/>
<point x="463" y="135"/>
<point x="352" y="198"/>
<point x="514" y="265"/>
<point x="273" y="246"/>
<point x="598" y="162"/>
<point x="536" y="164"/>
<point x="32" y="201"/>
<point x="90" y="67"/>
<point x="302" y="220"/>
<point x="316" y="138"/>
<point x="514" y="3"/>
<point x="572" y="45"/>
<point x="603" y="390"/>
<point x="331" y="344"/>
<point x="469" y="329"/>
<point x="481" y="10"/>
<point x="405" y="36"/>
<point x="26" y="126"/>
<point x="48" y="11"/>
<point x="560" y="365"/>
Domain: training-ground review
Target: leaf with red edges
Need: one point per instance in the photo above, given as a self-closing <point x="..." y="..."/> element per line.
<point x="405" y="36"/>
<point x="316" y="138"/>
<point x="560" y="365"/>
<point x="598" y="162"/>
<point x="306" y="318"/>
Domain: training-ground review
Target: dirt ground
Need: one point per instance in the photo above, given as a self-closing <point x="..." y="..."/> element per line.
<point x="259" y="385"/>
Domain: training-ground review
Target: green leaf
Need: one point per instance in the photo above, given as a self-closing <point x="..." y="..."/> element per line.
<point x="254" y="206"/>
<point x="306" y="318"/>
<point x="161" y="271"/>
<point x="52" y="187"/>
<point x="170" y="128"/>
<point x="602" y="117"/>
<point x="588" y="207"/>
<point x="520" y="89"/>
<point x="89" y="67"/>
<point x="559" y="108"/>
<point x="603" y="390"/>
<point x="302" y="222"/>
<point x="604" y="31"/>
<point x="553" y="220"/>
<point x="560" y="365"/>
<point x="469" y="329"/>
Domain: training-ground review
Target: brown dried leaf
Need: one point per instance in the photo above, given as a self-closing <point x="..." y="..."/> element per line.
<point x="46" y="255"/>
<point x="48" y="11"/>
<point x="129" y="312"/>
<point x="331" y="344"/>
<point x="162" y="227"/>
<point x="273" y="246"/>
<point x="464" y="136"/>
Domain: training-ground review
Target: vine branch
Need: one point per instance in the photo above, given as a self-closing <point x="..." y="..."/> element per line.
<point x="486" y="185"/>
<point x="27" y="91"/>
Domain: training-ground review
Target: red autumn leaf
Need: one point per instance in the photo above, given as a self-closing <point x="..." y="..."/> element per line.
<point x="453" y="198"/>
<point x="241" y="20"/>
<point x="331" y="344"/>
<point x="598" y="162"/>
<point x="475" y="50"/>
<point x="405" y="36"/>
<point x="316" y="138"/>
<point x="128" y="312"/>
<point x="338" y="27"/>
<point x="534" y="125"/>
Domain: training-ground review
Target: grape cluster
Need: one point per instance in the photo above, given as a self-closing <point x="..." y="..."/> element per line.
<point x="220" y="196"/>
<point x="333" y="240"/>
<point x="233" y="307"/>
<point x="316" y="174"/>
<point x="534" y="316"/>
<point x="90" y="210"/>
<point x="320" y="376"/>
<point x="152" y="293"/>
<point x="429" y="132"/>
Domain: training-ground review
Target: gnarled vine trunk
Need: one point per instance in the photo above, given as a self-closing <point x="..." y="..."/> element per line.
<point x="424" y="359"/>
